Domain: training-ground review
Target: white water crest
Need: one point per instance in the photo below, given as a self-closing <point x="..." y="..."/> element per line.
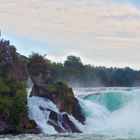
<point x="112" y="112"/>
<point x="29" y="87"/>
<point x="41" y="116"/>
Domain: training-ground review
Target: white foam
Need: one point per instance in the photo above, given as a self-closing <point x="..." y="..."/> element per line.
<point x="41" y="117"/>
<point x="125" y="120"/>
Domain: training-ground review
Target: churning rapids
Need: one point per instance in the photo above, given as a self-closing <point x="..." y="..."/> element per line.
<point x="111" y="113"/>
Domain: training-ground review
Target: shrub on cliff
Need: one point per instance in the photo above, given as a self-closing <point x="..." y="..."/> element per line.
<point x="12" y="103"/>
<point x="5" y="104"/>
<point x="4" y="88"/>
<point x="12" y="88"/>
<point x="38" y="64"/>
<point x="17" y="111"/>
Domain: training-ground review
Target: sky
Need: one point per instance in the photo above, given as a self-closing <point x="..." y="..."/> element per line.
<point x="101" y="32"/>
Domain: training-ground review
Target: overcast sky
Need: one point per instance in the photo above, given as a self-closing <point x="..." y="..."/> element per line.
<point x="101" y="32"/>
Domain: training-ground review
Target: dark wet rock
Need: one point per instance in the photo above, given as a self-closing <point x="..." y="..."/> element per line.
<point x="30" y="127"/>
<point x="61" y="122"/>
<point x="3" y="126"/>
<point x="63" y="98"/>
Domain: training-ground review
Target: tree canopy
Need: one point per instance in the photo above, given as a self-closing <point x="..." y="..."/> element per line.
<point x="75" y="73"/>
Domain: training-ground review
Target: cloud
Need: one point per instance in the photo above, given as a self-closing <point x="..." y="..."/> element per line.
<point x="102" y="32"/>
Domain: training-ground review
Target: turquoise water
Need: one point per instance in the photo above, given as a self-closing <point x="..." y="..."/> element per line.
<point x="115" y="112"/>
<point x="111" y="100"/>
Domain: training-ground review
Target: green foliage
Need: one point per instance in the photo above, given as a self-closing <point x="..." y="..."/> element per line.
<point x="36" y="58"/>
<point x="73" y="61"/>
<point x="4" y="89"/>
<point x="38" y="64"/>
<point x="13" y="96"/>
<point x="33" y="123"/>
<point x="13" y="102"/>
<point x="5" y="104"/>
<point x="17" y="111"/>
<point x="51" y="87"/>
<point x="4" y="69"/>
<point x="75" y="73"/>
<point x="61" y="88"/>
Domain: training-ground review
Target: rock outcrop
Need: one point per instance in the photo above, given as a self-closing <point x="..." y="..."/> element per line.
<point x="61" y="122"/>
<point x="59" y="93"/>
<point x="30" y="126"/>
<point x="16" y="63"/>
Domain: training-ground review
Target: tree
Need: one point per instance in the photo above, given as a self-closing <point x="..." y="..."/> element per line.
<point x="73" y="61"/>
<point x="38" y="64"/>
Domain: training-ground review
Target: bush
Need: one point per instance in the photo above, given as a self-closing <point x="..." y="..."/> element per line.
<point x="4" y="88"/>
<point x="13" y="103"/>
<point x="17" y="112"/>
<point x="5" y="105"/>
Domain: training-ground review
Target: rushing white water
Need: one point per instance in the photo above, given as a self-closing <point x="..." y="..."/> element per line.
<point x="110" y="112"/>
<point x="41" y="117"/>
<point x="29" y="87"/>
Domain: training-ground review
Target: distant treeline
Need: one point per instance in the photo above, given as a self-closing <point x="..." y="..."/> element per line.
<point x="75" y="73"/>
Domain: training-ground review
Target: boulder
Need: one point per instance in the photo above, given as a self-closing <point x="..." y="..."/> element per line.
<point x="61" y="122"/>
<point x="30" y="127"/>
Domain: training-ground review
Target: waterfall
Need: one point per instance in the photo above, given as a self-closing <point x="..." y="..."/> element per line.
<point x="41" y="116"/>
<point x="112" y="112"/>
<point x="107" y="112"/>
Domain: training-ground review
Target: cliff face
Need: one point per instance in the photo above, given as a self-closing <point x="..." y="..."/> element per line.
<point x="13" y="97"/>
<point x="16" y="63"/>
